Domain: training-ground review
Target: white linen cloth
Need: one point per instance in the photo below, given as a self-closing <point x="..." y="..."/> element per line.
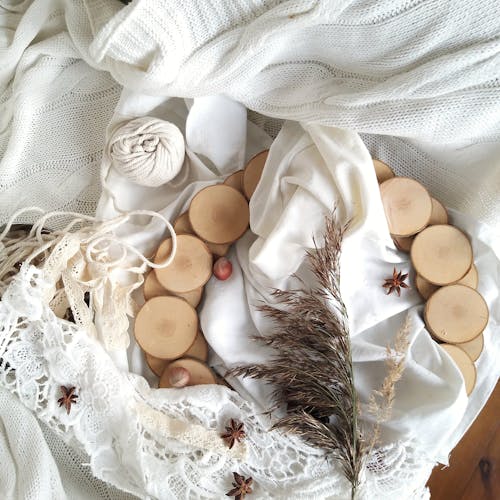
<point x="356" y="65"/>
<point x="310" y="170"/>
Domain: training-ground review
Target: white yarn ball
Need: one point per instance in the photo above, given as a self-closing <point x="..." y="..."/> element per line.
<point x="148" y="151"/>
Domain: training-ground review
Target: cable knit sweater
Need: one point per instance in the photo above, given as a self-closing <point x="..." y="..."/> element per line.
<point x="422" y="71"/>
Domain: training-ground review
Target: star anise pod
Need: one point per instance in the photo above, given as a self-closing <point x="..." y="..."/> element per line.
<point x="234" y="432"/>
<point x="396" y="282"/>
<point x="241" y="488"/>
<point x="68" y="398"/>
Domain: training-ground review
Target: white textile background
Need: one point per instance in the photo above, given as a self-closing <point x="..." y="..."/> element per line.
<point x="311" y="169"/>
<point x="418" y="79"/>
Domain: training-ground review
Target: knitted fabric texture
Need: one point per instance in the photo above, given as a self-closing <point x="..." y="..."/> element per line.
<point x="423" y="71"/>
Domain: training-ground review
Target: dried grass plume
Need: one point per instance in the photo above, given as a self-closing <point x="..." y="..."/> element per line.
<point x="312" y="365"/>
<point x="382" y="400"/>
<point x="312" y="369"/>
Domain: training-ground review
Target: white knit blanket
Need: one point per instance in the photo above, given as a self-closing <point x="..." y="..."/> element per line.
<point x="418" y="79"/>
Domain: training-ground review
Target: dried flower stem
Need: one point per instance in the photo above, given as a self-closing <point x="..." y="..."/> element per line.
<point x="382" y="400"/>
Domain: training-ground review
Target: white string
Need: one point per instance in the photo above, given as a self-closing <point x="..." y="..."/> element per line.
<point x="67" y="254"/>
<point x="94" y="239"/>
<point x="15" y="215"/>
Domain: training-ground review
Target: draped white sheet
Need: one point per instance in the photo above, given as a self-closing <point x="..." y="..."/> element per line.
<point x="310" y="170"/>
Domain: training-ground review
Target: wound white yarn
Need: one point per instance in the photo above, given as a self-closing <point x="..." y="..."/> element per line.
<point x="147" y="151"/>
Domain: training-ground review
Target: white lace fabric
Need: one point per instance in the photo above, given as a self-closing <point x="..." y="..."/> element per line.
<point x="163" y="444"/>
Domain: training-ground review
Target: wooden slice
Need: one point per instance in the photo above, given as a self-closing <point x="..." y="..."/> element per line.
<point x="403" y="244"/>
<point x="439" y="214"/>
<point x="464" y="364"/>
<point x="383" y="171"/>
<point x="474" y="347"/>
<point x="471" y="278"/>
<point x="219" y="214"/>
<point x="199" y="349"/>
<point x="236" y="181"/>
<point x="456" y="314"/>
<point x="193" y="297"/>
<point x="253" y="172"/>
<point x="424" y="288"/>
<point x="199" y="372"/>
<point x="182" y="224"/>
<point x="441" y="254"/>
<point x="166" y="327"/>
<point x="152" y="287"/>
<point x="156" y="365"/>
<point x="191" y="267"/>
<point x="217" y="249"/>
<point x="407" y="205"/>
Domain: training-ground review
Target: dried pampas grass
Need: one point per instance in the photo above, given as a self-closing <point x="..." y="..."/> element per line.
<point x="312" y="367"/>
